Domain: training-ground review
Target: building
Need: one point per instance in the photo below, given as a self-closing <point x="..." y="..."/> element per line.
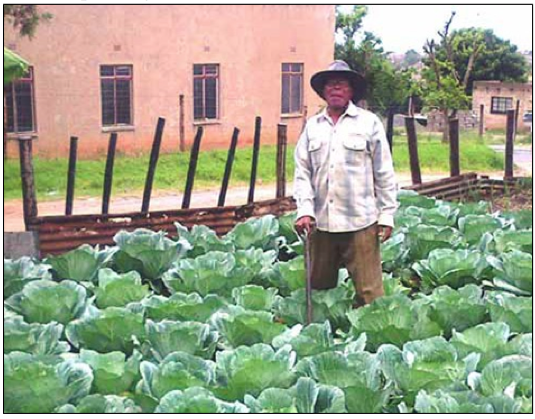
<point x="116" y="68"/>
<point x="498" y="97"/>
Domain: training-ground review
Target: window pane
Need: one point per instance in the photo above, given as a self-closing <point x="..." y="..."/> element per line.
<point x="197" y="69"/>
<point x="108" y="106"/>
<point x="123" y="70"/>
<point x="23" y="95"/>
<point x="198" y="100"/>
<point x="296" y="94"/>
<point x="296" y="68"/>
<point x="106" y="70"/>
<point x="8" y="94"/>
<point x="285" y="67"/>
<point x="210" y="69"/>
<point x="123" y="93"/>
<point x="285" y="94"/>
<point x="211" y="98"/>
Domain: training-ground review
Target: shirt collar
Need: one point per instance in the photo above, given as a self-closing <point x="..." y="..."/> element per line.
<point x="352" y="110"/>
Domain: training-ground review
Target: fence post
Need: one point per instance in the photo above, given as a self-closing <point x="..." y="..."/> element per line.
<point x="254" y="165"/>
<point x="517" y="111"/>
<point x="390" y="128"/>
<point x="228" y="168"/>
<point x="71" y="175"/>
<point x="154" y="155"/>
<point x="182" y="146"/>
<point x="413" y="150"/>
<point x="509" y="140"/>
<point x="282" y="140"/>
<point x="455" y="169"/>
<point x="481" y="120"/>
<point x="194" y="155"/>
<point x="29" y="199"/>
<point x="108" y="173"/>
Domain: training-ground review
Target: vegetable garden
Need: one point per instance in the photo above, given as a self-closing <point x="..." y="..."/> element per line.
<point x="201" y="323"/>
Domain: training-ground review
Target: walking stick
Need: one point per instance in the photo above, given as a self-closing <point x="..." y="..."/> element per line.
<point x="305" y="239"/>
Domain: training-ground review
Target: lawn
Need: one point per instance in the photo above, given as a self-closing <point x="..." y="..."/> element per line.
<point x="130" y="172"/>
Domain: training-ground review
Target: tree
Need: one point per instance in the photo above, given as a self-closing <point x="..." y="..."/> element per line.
<point x="386" y="87"/>
<point x="24" y="18"/>
<point x="411" y="58"/>
<point x="444" y="86"/>
<point x="497" y="60"/>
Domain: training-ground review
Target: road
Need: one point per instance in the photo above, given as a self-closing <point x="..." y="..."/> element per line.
<point x="522" y="158"/>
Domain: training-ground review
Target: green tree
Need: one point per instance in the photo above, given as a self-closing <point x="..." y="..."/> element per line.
<point x="411" y="57"/>
<point x="24" y="18"/>
<point x="497" y="60"/>
<point x="443" y="85"/>
<point x="386" y="87"/>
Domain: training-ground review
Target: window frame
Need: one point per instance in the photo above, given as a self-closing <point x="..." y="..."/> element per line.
<point x="291" y="74"/>
<point x="204" y="76"/>
<point x="26" y="79"/>
<point x="495" y="103"/>
<point x="116" y="78"/>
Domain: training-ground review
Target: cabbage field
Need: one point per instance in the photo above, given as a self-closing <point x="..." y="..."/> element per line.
<point x="201" y="323"/>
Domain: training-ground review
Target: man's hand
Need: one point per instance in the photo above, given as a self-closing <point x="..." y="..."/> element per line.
<point x="384" y="233"/>
<point x="305" y="223"/>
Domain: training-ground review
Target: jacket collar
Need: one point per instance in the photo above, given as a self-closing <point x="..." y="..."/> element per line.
<point x="352" y="110"/>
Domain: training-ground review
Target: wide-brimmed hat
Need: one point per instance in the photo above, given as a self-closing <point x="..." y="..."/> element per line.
<point x="339" y="68"/>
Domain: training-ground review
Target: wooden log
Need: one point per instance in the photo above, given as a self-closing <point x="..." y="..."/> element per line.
<point x="254" y="165"/>
<point x="282" y="141"/>
<point x="390" y="128"/>
<point x="481" y="120"/>
<point x="29" y="198"/>
<point x="71" y="175"/>
<point x="228" y="168"/>
<point x="154" y="155"/>
<point x="517" y="111"/>
<point x="182" y="146"/>
<point x="194" y="155"/>
<point x="509" y="140"/>
<point x="455" y="168"/>
<point x="108" y="173"/>
<point x="413" y="150"/>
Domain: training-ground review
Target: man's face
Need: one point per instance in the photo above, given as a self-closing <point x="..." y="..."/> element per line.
<point x="337" y="92"/>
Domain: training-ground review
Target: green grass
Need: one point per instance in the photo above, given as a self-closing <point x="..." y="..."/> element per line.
<point x="130" y="172"/>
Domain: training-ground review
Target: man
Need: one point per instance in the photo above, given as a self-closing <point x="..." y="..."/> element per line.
<point x="345" y="186"/>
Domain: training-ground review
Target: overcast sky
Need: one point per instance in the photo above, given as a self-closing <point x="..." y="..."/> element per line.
<point x="403" y="27"/>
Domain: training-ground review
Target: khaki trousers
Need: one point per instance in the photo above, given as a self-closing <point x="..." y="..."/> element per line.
<point x="359" y="252"/>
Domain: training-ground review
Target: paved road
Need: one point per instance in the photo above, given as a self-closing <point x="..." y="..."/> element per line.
<point x="522" y="157"/>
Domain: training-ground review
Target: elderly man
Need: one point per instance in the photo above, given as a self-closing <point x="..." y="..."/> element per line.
<point x="344" y="186"/>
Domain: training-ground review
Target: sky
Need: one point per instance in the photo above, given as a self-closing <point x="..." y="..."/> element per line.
<point x="405" y="27"/>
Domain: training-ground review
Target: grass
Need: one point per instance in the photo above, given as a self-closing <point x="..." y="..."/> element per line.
<point x="130" y="172"/>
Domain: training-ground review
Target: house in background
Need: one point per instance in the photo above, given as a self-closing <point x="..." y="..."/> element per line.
<point x="498" y="97"/>
<point x="116" y="68"/>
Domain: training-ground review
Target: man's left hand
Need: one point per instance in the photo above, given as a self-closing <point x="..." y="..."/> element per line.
<point x="384" y="233"/>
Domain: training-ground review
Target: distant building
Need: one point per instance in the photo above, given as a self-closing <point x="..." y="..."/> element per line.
<point x="498" y="97"/>
<point x="97" y="69"/>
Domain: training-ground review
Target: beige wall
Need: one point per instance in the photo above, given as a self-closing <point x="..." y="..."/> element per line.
<point x="249" y="42"/>
<point x="485" y="90"/>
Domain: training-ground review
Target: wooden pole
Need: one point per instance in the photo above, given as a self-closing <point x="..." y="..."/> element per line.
<point x="228" y="168"/>
<point x="254" y="165"/>
<point x="413" y="150"/>
<point x="108" y="173"/>
<point x="517" y="111"/>
<point x="181" y="125"/>
<point x="390" y="128"/>
<point x="71" y="175"/>
<point x="29" y="199"/>
<point x="509" y="140"/>
<point x="455" y="169"/>
<point x="192" y="168"/>
<point x="481" y="120"/>
<point x="154" y="155"/>
<point x="282" y="139"/>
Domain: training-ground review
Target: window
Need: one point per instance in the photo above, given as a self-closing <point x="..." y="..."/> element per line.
<point x="292" y="88"/>
<point x="205" y="91"/>
<point x="20" y="107"/>
<point x="501" y="105"/>
<point x="116" y="93"/>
